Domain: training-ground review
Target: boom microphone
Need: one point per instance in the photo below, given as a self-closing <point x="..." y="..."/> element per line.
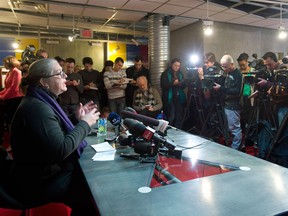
<point x="130" y="109"/>
<point x="138" y="129"/>
<point x="159" y="124"/>
<point x="146" y="120"/>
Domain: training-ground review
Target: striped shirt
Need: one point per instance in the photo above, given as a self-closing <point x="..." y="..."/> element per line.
<point x="110" y="79"/>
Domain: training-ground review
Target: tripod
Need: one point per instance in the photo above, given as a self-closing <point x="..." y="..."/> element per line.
<point x="194" y="103"/>
<point x="260" y="113"/>
<point x="216" y="125"/>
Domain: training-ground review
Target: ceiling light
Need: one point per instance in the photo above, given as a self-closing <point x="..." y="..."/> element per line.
<point x="208" y="27"/>
<point x="17" y="43"/>
<point x="282" y="34"/>
<point x="72" y="37"/>
<point x="207" y="24"/>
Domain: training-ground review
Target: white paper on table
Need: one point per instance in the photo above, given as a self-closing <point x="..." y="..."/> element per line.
<point x="104" y="151"/>
<point x="104" y="156"/>
<point x="103" y="147"/>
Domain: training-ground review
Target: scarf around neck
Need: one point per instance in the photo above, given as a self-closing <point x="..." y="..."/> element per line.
<point x="143" y="98"/>
<point x="182" y="97"/>
<point x="44" y="96"/>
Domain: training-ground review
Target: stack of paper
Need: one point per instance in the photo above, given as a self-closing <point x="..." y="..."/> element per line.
<point x="105" y="152"/>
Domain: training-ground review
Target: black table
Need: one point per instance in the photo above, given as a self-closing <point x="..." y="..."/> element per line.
<point x="262" y="190"/>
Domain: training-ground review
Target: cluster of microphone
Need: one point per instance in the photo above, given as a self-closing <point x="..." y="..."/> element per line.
<point x="146" y="133"/>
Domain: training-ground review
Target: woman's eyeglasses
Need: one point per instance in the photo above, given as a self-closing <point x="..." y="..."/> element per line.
<point x="61" y="73"/>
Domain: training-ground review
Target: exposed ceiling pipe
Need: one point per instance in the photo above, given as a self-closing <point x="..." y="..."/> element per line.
<point x="48" y="15"/>
<point x="271" y="2"/>
<point x="12" y="9"/>
<point x="108" y="20"/>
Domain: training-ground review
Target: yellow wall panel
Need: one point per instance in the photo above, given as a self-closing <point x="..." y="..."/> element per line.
<point x="117" y="50"/>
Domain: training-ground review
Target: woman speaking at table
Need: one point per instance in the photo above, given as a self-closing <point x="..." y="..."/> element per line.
<point x="45" y="143"/>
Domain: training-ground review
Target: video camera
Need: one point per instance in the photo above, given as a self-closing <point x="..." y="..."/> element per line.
<point x="260" y="69"/>
<point x="192" y="73"/>
<point x="279" y="90"/>
<point x="260" y="72"/>
<point x="212" y="75"/>
<point x="28" y="54"/>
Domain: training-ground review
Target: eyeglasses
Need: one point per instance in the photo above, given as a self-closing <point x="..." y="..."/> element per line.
<point x="61" y="73"/>
<point x="225" y="66"/>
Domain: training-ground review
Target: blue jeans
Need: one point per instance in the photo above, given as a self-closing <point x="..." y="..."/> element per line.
<point x="117" y="104"/>
<point x="281" y="114"/>
<point x="175" y="114"/>
<point x="233" y="118"/>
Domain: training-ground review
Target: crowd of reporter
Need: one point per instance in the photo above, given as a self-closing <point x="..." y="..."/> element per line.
<point x="254" y="99"/>
<point x="72" y="100"/>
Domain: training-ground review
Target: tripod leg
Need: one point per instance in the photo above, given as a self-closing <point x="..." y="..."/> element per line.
<point x="220" y="123"/>
<point x="251" y="128"/>
<point x="269" y="114"/>
<point x="198" y="108"/>
<point x="223" y="124"/>
<point x="277" y="137"/>
<point x="204" y="130"/>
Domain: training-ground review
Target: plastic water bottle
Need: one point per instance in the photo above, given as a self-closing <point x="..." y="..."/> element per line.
<point x="102" y="126"/>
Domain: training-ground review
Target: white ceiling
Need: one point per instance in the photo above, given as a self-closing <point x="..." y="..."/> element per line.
<point x="123" y="16"/>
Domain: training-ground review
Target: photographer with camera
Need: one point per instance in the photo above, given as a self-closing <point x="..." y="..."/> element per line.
<point x="214" y="125"/>
<point x="209" y="62"/>
<point x="211" y="68"/>
<point x="232" y="92"/>
<point x="248" y="87"/>
<point x="279" y="98"/>
<point x="274" y="148"/>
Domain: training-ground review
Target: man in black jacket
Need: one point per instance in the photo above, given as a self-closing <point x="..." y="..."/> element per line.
<point x="231" y="91"/>
<point x="91" y="81"/>
<point x="70" y="99"/>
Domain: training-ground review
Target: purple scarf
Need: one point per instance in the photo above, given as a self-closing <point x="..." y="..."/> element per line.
<point x="42" y="95"/>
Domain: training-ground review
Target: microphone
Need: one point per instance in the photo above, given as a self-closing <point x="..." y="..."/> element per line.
<point x="115" y="120"/>
<point x="139" y="117"/>
<point x="159" y="124"/>
<point x="138" y="129"/>
<point x="130" y="109"/>
<point x="124" y="140"/>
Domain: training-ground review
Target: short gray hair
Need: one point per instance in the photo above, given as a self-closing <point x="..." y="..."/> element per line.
<point x="226" y="59"/>
<point x="142" y="77"/>
<point x="37" y="70"/>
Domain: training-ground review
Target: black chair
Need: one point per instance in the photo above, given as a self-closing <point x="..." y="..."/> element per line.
<point x="7" y="201"/>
